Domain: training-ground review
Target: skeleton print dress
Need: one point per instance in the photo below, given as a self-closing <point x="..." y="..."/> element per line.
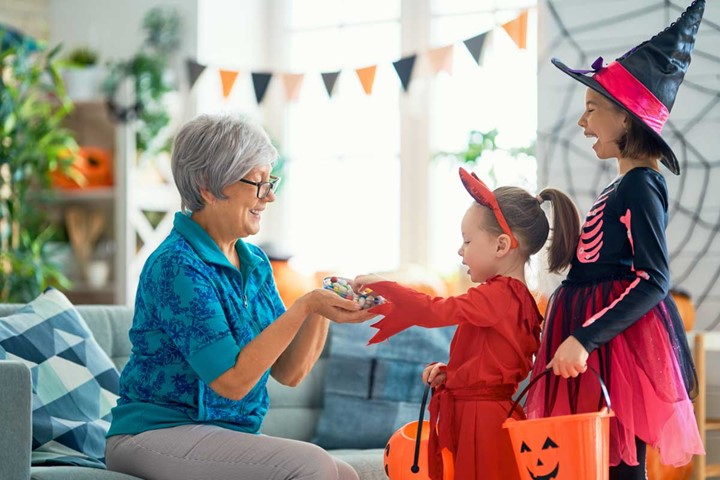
<point x="615" y="302"/>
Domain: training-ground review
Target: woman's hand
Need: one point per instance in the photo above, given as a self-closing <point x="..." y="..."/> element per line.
<point x="570" y="358"/>
<point x="434" y="374"/>
<point x="360" y="282"/>
<point x="333" y="307"/>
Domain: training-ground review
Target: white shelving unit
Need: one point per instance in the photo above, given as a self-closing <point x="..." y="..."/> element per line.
<point x="126" y="226"/>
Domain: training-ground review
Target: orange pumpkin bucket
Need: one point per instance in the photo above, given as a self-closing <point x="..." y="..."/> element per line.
<point x="566" y="447"/>
<point x="406" y="456"/>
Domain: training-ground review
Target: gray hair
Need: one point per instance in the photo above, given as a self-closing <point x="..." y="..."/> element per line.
<point x="213" y="151"/>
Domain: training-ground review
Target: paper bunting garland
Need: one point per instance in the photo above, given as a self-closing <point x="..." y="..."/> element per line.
<point x="329" y="79"/>
<point x="293" y="84"/>
<point x="194" y="71"/>
<point x="227" y="78"/>
<point x="475" y="46"/>
<point x="404" y="68"/>
<point x="441" y="59"/>
<point x="367" y="77"/>
<point x="517" y="29"/>
<point x="260" y="84"/>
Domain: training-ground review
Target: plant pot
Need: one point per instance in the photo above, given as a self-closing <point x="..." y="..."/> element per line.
<point x="83" y="84"/>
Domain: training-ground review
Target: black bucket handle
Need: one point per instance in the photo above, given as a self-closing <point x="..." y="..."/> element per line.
<point x="547" y="371"/>
<point x="416" y="458"/>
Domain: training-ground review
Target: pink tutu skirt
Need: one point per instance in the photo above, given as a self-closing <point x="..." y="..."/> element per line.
<point x="648" y="370"/>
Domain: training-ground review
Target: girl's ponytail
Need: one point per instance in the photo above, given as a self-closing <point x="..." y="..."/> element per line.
<point x="565" y="229"/>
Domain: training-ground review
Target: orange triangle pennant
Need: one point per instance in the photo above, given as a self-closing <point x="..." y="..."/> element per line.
<point x="441" y="59"/>
<point x="367" y="77"/>
<point x="227" y="77"/>
<point x="517" y="29"/>
<point x="293" y="84"/>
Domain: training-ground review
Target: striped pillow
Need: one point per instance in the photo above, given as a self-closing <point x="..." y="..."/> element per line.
<point x="74" y="383"/>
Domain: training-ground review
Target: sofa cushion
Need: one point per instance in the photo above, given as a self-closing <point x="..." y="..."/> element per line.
<point x="371" y="391"/>
<point x="76" y="473"/>
<point x="110" y="325"/>
<point x="74" y="383"/>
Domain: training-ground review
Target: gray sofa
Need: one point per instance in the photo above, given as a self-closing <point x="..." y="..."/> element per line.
<point x="293" y="413"/>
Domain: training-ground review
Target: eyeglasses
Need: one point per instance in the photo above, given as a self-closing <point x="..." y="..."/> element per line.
<point x="264" y="188"/>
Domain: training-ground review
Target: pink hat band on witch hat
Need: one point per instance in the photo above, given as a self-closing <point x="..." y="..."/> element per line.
<point x="485" y="197"/>
<point x="635" y="96"/>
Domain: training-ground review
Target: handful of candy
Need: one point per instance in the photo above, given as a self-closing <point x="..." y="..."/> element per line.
<point x="366" y="299"/>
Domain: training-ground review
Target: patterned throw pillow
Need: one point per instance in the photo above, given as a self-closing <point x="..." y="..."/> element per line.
<point x="371" y="391"/>
<point x="74" y="383"/>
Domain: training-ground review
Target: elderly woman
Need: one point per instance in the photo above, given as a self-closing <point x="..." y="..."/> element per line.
<point x="210" y="328"/>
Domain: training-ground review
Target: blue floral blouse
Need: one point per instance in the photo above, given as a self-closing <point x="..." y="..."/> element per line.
<point x="194" y="312"/>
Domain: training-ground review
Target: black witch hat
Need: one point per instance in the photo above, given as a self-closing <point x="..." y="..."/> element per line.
<point x="645" y="81"/>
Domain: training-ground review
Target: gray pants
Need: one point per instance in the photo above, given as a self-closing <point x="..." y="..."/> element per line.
<point x="206" y="452"/>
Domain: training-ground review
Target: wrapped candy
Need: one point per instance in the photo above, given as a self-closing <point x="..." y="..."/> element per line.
<point x="366" y="299"/>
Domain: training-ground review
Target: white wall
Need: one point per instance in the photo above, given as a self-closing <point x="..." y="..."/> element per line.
<point x="115" y="28"/>
<point x="244" y="36"/>
<point x="231" y="35"/>
<point x="29" y="16"/>
<point x="561" y="143"/>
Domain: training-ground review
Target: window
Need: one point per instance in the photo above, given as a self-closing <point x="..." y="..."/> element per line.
<point x="499" y="94"/>
<point x="342" y="198"/>
<point x="339" y="208"/>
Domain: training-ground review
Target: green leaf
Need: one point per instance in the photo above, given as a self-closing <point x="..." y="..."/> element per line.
<point x="31" y="142"/>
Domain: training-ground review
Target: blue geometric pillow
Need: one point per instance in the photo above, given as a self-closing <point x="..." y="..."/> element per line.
<point x="74" y="383"/>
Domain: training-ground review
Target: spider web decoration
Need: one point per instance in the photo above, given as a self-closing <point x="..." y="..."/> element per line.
<point x="579" y="31"/>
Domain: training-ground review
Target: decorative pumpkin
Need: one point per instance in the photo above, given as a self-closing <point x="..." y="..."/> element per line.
<point x="400" y="455"/>
<point x="92" y="167"/>
<point x="658" y="471"/>
<point x="290" y="283"/>
<point x="686" y="308"/>
<point x="542" y="302"/>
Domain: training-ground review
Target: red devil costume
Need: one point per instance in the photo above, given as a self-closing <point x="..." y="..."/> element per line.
<point x="615" y="300"/>
<point x="491" y="352"/>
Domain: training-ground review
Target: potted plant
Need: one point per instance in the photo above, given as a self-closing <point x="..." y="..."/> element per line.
<point x="32" y="143"/>
<point x="82" y="74"/>
<point x="152" y="80"/>
<point x="479" y="153"/>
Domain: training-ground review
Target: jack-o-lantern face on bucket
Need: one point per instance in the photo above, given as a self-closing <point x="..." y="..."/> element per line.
<point x="542" y="463"/>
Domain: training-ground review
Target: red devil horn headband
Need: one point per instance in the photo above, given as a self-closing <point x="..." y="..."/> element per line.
<point x="485" y="197"/>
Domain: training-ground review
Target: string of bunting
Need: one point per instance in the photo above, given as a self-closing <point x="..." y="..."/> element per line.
<point x="440" y="59"/>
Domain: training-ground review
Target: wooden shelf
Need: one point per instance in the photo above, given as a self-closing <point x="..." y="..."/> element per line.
<point x="712" y="424"/>
<point x="81" y="293"/>
<point x="702" y="343"/>
<point x="712" y="471"/>
<point x="82" y="287"/>
<point x="81" y="195"/>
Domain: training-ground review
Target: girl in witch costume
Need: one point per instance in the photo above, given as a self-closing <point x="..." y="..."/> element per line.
<point x="613" y="311"/>
<point x="498" y="324"/>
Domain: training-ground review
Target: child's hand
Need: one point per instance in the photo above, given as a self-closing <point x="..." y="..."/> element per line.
<point x="570" y="358"/>
<point x="359" y="283"/>
<point x="434" y="374"/>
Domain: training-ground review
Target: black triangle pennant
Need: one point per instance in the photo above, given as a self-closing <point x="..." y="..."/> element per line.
<point x="260" y="84"/>
<point x="194" y="71"/>
<point x="404" y="68"/>
<point x="475" y="46"/>
<point x="329" y="79"/>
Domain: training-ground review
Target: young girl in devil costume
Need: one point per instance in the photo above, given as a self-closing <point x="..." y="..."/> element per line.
<point x="498" y="324"/>
<point x="613" y="312"/>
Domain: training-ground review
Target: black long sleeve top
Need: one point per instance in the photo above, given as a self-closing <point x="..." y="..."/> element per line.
<point x="624" y="234"/>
